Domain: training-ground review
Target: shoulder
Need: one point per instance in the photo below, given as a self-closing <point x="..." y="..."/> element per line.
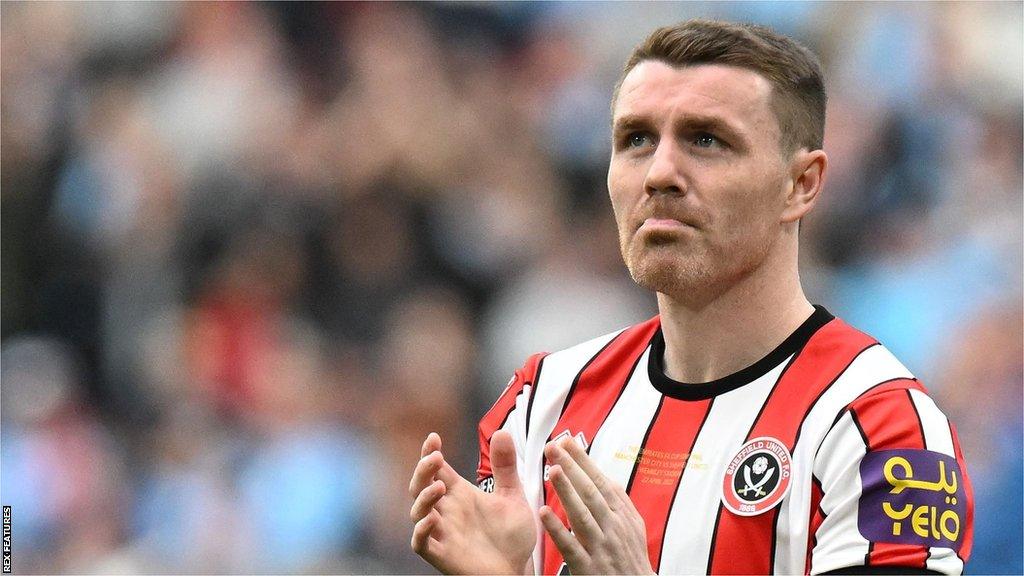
<point x="877" y="397"/>
<point x="893" y="485"/>
<point x="837" y="365"/>
<point x="861" y="384"/>
<point x="862" y="366"/>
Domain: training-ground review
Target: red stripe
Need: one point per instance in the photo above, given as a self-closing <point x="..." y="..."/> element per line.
<point x="597" y="388"/>
<point x="902" y="555"/>
<point x="499" y="412"/>
<point x="660" y="466"/>
<point x="968" y="540"/>
<point x="817" y="517"/>
<point x="889" y="420"/>
<point x="746" y="544"/>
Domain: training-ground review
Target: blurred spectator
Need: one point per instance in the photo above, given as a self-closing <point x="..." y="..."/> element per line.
<point x="239" y="317"/>
<point x="373" y="258"/>
<point x="423" y="385"/>
<point x="187" y="516"/>
<point x="303" y="488"/>
<point x="63" y="472"/>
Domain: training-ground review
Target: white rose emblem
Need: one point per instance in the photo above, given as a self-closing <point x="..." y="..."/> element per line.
<point x="760" y="465"/>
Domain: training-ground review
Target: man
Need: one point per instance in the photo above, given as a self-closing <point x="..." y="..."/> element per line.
<point x="742" y="430"/>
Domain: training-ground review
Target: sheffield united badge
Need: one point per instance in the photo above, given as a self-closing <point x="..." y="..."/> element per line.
<point x="757" y="477"/>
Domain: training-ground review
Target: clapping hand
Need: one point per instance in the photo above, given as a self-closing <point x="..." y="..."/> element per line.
<point x="459" y="528"/>
<point x="608" y="534"/>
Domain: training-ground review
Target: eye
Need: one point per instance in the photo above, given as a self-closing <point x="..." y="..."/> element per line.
<point x="705" y="140"/>
<point x="638" y="140"/>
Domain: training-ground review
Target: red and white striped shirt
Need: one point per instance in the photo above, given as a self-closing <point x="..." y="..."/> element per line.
<point x="825" y="454"/>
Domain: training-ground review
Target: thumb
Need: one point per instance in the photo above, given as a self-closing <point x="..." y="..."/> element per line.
<point x="503" y="463"/>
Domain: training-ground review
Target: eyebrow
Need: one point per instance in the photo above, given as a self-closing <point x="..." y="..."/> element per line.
<point x="630" y="122"/>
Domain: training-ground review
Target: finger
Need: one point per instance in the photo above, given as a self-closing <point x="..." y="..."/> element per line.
<point x="431" y="444"/>
<point x="588" y="493"/>
<point x="503" y="463"/>
<point x="604" y="485"/>
<point x="436" y="467"/>
<point x="573" y="552"/>
<point x="425" y="502"/>
<point x="425" y="472"/>
<point x="425" y="536"/>
<point x="580" y="517"/>
<point x="450" y="477"/>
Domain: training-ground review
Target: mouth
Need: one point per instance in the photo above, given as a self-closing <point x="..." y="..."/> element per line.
<point x="664" y="225"/>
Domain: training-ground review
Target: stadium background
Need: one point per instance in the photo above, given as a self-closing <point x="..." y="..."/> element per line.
<point x="253" y="253"/>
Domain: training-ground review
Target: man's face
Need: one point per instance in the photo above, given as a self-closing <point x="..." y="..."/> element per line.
<point x="697" y="178"/>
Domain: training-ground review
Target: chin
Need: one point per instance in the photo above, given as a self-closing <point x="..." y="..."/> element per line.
<point x="668" y="272"/>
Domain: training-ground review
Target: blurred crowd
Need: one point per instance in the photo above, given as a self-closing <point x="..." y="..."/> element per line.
<point x="253" y="253"/>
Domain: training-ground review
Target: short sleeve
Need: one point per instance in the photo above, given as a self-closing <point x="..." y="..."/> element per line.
<point x="507" y="413"/>
<point x="893" y="487"/>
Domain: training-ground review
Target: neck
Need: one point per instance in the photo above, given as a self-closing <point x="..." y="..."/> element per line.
<point x="716" y="337"/>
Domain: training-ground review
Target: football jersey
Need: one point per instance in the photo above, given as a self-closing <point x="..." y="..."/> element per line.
<point x="826" y="453"/>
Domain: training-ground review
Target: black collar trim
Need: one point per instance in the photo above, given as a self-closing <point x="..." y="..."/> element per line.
<point x="703" y="390"/>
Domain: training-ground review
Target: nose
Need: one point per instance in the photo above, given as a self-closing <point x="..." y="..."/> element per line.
<point x="663" y="173"/>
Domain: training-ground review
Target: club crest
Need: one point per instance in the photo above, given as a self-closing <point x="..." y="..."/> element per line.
<point x="757" y="477"/>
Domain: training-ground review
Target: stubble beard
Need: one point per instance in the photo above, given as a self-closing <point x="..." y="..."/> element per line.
<point x="694" y="274"/>
<point x="657" y="268"/>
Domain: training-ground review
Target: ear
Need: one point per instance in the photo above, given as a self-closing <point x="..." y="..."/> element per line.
<point x="807" y="175"/>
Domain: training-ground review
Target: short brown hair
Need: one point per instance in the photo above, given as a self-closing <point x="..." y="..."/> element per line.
<point x="798" y="91"/>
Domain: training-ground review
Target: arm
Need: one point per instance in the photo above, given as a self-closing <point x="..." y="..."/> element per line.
<point x="869" y="517"/>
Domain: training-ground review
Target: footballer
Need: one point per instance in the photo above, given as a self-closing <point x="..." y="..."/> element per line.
<point x="743" y="430"/>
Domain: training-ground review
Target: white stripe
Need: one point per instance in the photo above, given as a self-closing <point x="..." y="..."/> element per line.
<point x="944" y="561"/>
<point x="557" y="373"/>
<point x="515" y="425"/>
<point x="615" y="444"/>
<point x="872" y="366"/>
<point x="937" y="438"/>
<point x="691" y="522"/>
<point x="840" y="543"/>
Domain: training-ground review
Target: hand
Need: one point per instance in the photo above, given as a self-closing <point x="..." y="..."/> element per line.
<point x="609" y="535"/>
<point x="459" y="528"/>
